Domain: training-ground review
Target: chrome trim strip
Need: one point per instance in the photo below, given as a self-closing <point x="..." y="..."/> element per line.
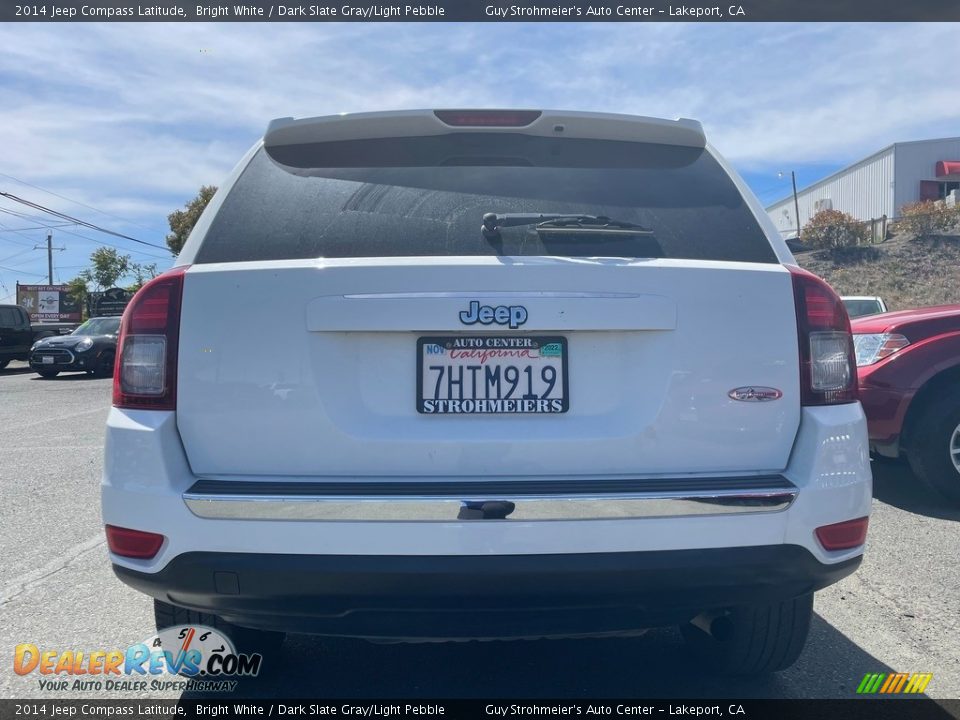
<point x="519" y="508"/>
<point x="487" y="487"/>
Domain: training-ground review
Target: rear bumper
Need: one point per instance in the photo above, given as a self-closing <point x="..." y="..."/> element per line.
<point x="482" y="596"/>
<point x="515" y="500"/>
<point x="147" y="485"/>
<point x="557" y="564"/>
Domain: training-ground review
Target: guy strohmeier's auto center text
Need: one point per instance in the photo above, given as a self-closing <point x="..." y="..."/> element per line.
<point x="594" y="12"/>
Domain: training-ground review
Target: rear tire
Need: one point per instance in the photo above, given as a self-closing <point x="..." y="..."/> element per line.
<point x="48" y="373"/>
<point x="753" y="640"/>
<point x="884" y="460"/>
<point x="246" y="640"/>
<point x="935" y="449"/>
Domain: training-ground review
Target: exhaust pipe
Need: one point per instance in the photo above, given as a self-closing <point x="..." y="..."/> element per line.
<point x="716" y="624"/>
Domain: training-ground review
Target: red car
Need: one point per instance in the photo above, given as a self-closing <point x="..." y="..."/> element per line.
<point x="908" y="363"/>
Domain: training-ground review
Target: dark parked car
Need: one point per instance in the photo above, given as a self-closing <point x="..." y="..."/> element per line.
<point x="90" y="348"/>
<point x="908" y="363"/>
<point x="17" y="333"/>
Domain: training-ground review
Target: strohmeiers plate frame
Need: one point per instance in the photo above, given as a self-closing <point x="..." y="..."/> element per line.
<point x="541" y="339"/>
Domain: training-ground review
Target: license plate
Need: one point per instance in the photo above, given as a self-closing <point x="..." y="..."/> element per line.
<point x="46" y="359"/>
<point x="492" y="374"/>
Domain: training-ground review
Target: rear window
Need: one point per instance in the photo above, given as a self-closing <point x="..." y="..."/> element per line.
<point x="859" y="308"/>
<point x="428" y="196"/>
<point x="99" y="326"/>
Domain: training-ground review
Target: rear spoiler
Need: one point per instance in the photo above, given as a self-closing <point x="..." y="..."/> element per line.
<point x="543" y="123"/>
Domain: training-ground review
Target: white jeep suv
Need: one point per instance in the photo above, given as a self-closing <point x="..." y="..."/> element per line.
<point x="487" y="374"/>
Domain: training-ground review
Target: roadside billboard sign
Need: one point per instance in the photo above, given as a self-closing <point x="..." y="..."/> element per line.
<point x="108" y="302"/>
<point x="48" y="303"/>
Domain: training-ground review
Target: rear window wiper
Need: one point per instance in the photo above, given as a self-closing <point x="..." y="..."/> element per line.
<point x="560" y="223"/>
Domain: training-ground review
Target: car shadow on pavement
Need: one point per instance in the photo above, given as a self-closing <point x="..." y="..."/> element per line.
<point x="895" y="484"/>
<point x="653" y="666"/>
<point x="16" y="370"/>
<point x="67" y="376"/>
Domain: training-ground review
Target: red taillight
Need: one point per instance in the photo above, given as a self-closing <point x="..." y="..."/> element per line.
<point x="828" y="366"/>
<point x="487" y="118"/>
<point x="843" y="535"/>
<point x="133" y="543"/>
<point x="145" y="376"/>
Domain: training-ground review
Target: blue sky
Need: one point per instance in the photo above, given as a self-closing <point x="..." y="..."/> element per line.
<point x="128" y="120"/>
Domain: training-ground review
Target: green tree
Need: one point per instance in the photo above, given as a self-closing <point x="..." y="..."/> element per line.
<point x="108" y="266"/>
<point x="78" y="291"/>
<point x="182" y="221"/>
<point x="141" y="273"/>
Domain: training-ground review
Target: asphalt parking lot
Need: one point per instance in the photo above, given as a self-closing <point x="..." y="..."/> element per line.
<point x="899" y="612"/>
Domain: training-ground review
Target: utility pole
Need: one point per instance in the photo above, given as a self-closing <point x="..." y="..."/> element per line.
<point x="796" y="203"/>
<point x="50" y="254"/>
<point x="50" y="249"/>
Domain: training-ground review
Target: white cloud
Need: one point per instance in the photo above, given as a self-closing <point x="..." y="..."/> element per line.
<point x="133" y="118"/>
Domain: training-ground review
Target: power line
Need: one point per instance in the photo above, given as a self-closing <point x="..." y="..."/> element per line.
<point x="33" y="218"/>
<point x="38" y="227"/>
<point x="18" y="232"/>
<point x="116" y="247"/>
<point x="21" y="263"/>
<point x="76" y="221"/>
<point x="21" y="272"/>
<point x="84" y="223"/>
<point x="12" y="230"/>
<point x="77" y="202"/>
<point x="60" y="228"/>
<point x="15" y="242"/>
<point x="11" y="257"/>
<point x="18" y="214"/>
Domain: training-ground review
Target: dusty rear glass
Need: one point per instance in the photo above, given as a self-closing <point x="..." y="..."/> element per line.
<point x="427" y="196"/>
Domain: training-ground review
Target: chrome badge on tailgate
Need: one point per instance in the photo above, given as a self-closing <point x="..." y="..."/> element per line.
<point x="755" y="393"/>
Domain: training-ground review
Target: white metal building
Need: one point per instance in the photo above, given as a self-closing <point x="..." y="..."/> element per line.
<point x="878" y="185"/>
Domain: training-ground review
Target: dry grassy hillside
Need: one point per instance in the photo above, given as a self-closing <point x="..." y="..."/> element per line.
<point x="906" y="273"/>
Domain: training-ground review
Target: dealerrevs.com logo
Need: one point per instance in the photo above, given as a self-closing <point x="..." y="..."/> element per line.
<point x="204" y="658"/>
<point x="894" y="683"/>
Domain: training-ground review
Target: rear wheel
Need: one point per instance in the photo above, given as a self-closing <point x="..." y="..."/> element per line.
<point x="246" y="640"/>
<point x="935" y="449"/>
<point x="48" y="373"/>
<point x="752" y="640"/>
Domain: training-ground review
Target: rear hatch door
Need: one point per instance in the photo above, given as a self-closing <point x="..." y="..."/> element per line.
<point x="337" y="280"/>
